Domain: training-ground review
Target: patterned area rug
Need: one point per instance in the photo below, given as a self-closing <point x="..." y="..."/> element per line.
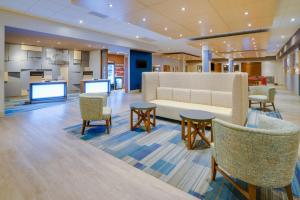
<point x="19" y="105"/>
<point x="164" y="155"/>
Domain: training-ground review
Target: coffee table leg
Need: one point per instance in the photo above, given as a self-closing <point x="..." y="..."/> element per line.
<point x="154" y="117"/>
<point x="182" y="129"/>
<point x="148" y="125"/>
<point x="189" y="141"/>
<point x="211" y="133"/>
<point x="131" y="119"/>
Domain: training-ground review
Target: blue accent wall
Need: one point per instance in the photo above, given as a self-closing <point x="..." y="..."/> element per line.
<point x="136" y="73"/>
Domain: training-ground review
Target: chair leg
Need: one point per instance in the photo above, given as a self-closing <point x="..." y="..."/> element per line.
<point x="260" y="105"/>
<point x="110" y="121"/>
<point x="88" y="123"/>
<point x="213" y="169"/>
<point x="289" y="193"/>
<point x="107" y="126"/>
<point x="83" y="127"/>
<point x="252" y="192"/>
<point x="250" y="103"/>
<point x="273" y="106"/>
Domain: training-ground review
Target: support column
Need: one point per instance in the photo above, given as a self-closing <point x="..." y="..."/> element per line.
<point x="230" y="65"/>
<point x="2" y="50"/>
<point x="206" y="56"/>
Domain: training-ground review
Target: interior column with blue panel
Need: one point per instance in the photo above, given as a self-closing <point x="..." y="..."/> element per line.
<point x="2" y="43"/>
<point x="140" y="62"/>
<point x="206" y="57"/>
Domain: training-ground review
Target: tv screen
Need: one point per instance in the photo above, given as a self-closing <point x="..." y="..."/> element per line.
<point x="141" y="64"/>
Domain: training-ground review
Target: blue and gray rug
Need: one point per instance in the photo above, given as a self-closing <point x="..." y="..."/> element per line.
<point x="164" y="155"/>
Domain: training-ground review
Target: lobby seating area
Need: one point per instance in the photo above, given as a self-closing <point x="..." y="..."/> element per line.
<point x="149" y="99"/>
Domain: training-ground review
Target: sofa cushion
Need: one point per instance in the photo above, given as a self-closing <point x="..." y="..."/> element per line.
<point x="201" y="96"/>
<point x="181" y="95"/>
<point x="222" y="99"/>
<point x="164" y="93"/>
<point x="171" y="109"/>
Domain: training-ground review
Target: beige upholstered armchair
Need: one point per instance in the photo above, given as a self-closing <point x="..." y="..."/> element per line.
<point x="262" y="157"/>
<point x="93" y="108"/>
<point x="262" y="94"/>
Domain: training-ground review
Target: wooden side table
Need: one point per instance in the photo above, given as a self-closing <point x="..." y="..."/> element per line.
<point x="196" y="121"/>
<point x="143" y="111"/>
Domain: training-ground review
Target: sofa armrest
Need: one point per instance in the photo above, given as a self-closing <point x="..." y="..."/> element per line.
<point x="240" y="99"/>
<point x="150" y="82"/>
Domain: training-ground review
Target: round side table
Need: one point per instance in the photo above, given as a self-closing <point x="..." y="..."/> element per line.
<point x="196" y="120"/>
<point x="143" y="111"/>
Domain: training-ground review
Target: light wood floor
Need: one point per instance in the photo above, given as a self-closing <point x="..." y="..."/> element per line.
<point x="39" y="161"/>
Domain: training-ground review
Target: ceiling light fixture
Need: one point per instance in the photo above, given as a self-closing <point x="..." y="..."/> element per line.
<point x="293" y="19"/>
<point x="224" y="42"/>
<point x="180" y="35"/>
<point x="249" y="25"/>
<point x="166" y="28"/>
<point x="110" y="5"/>
<point x="137" y="37"/>
<point x="252" y="39"/>
<point x="58" y="42"/>
<point x="199" y="22"/>
<point x="246" y="13"/>
<point x="38" y="41"/>
<point x="282" y="36"/>
<point x="144" y="19"/>
<point x="183" y="9"/>
<point x="210" y="30"/>
<point x="80" y="21"/>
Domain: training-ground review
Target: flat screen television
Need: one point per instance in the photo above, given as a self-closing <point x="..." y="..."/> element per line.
<point x="141" y="63"/>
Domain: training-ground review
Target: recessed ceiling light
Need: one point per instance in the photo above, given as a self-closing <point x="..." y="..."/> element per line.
<point x="80" y="21"/>
<point x="199" y="22"/>
<point x="38" y="41"/>
<point x="282" y="36"/>
<point x="224" y="42"/>
<point x="252" y="39"/>
<point x="144" y="19"/>
<point x="210" y="30"/>
<point x="249" y="25"/>
<point x="58" y="42"/>
<point x="246" y="13"/>
<point x="183" y="9"/>
<point x="166" y="28"/>
<point x="293" y="19"/>
<point x="110" y="5"/>
<point x="137" y="37"/>
<point x="180" y="35"/>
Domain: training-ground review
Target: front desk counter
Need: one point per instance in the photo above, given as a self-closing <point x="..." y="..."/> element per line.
<point x="47" y="91"/>
<point x="95" y="86"/>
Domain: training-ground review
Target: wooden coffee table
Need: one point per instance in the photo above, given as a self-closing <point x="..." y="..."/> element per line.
<point x="196" y="120"/>
<point x="143" y="111"/>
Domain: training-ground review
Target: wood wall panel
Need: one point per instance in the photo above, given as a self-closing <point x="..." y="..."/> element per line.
<point x="218" y="67"/>
<point x="252" y="68"/>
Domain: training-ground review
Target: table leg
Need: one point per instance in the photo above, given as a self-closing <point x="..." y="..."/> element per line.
<point x="211" y="133"/>
<point x="189" y="141"/>
<point x="154" y="117"/>
<point x="131" y="120"/>
<point x="183" y="129"/>
<point x="148" y="121"/>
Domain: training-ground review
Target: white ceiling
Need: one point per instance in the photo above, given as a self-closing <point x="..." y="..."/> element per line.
<point x="66" y="12"/>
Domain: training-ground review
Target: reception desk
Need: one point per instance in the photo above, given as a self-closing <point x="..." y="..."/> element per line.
<point x="47" y="91"/>
<point x="95" y="86"/>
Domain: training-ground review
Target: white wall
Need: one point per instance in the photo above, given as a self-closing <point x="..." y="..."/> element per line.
<point x="95" y="60"/>
<point x="2" y="50"/>
<point x="273" y="68"/>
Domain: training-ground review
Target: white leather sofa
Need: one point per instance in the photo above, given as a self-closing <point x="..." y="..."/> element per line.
<point x="223" y="94"/>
